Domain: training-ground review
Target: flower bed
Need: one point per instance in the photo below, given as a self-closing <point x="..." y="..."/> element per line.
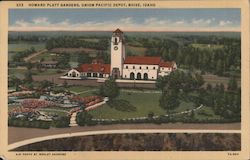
<point x="21" y="110"/>
<point x="36" y="103"/>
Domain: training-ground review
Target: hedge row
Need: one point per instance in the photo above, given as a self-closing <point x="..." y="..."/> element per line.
<point x="161" y="120"/>
<point x="29" y="124"/>
<point x="63" y="122"/>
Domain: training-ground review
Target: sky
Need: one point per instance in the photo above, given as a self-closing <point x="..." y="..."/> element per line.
<point x="126" y="19"/>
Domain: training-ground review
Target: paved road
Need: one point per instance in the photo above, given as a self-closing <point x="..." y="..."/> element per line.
<point x="17" y="134"/>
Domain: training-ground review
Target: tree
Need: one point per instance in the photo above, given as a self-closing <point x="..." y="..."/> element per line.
<point x="62" y="122"/>
<point x="45" y="84"/>
<point x="13" y="81"/>
<point x="110" y="89"/>
<point x="209" y="87"/>
<point x="161" y="83"/>
<point x="199" y="80"/>
<point x="169" y="101"/>
<point x="29" y="66"/>
<point x="28" y="77"/>
<point x="38" y="67"/>
<point x="32" y="50"/>
<point x="219" y="67"/>
<point x="232" y="84"/>
<point x="63" y="60"/>
<point x="83" y="58"/>
<point x="222" y="88"/>
<point x="65" y="84"/>
<point x="84" y="118"/>
<point x="151" y="115"/>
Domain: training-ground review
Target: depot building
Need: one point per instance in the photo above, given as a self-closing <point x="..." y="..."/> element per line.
<point x="122" y="66"/>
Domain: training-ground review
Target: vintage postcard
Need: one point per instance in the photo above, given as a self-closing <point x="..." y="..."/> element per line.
<point x="110" y="79"/>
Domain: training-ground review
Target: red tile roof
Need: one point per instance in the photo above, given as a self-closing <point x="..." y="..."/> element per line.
<point x="117" y="31"/>
<point x="100" y="68"/>
<point x="167" y="64"/>
<point x="142" y="60"/>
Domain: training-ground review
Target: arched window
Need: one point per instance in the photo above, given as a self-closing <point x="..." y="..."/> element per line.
<point x="145" y="76"/>
<point x="126" y="67"/>
<point x="132" y="76"/>
<point x="88" y="74"/>
<point x="140" y="67"/>
<point x="133" y="67"/>
<point x="139" y="76"/>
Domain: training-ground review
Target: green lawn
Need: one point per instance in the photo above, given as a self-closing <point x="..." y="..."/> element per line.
<point x="17" y="47"/>
<point x="84" y="90"/>
<point x="47" y="56"/>
<point x="144" y="103"/>
<point x="20" y="72"/>
<point x="47" y="72"/>
<point x="80" y="88"/>
<point x="49" y="111"/>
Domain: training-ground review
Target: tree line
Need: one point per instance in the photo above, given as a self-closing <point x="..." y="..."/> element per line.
<point x="76" y="42"/>
<point x="224" y="60"/>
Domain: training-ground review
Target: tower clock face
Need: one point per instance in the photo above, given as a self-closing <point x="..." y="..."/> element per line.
<point x="115" y="48"/>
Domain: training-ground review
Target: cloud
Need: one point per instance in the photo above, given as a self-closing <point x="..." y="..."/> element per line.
<point x="152" y="21"/>
<point x="125" y="23"/>
<point x="180" y="22"/>
<point x="21" y="23"/>
<point x="127" y="20"/>
<point x="225" y="22"/>
<point x="203" y="21"/>
<point x="41" y="20"/>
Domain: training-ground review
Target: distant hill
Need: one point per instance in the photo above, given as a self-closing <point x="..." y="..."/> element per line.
<point x="108" y="34"/>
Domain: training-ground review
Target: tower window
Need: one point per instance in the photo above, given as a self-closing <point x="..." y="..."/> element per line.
<point x="146" y="67"/>
<point x="133" y="67"/>
<point x="140" y="67"/>
<point x="153" y="67"/>
<point x="126" y="67"/>
<point x="116" y="41"/>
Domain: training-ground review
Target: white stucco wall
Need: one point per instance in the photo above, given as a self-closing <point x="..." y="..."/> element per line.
<point x="70" y="73"/>
<point x="118" y="55"/>
<point x="151" y="70"/>
<point x="84" y="74"/>
<point x="164" y="71"/>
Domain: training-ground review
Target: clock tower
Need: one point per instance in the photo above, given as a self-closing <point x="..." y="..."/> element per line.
<point x="117" y="53"/>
